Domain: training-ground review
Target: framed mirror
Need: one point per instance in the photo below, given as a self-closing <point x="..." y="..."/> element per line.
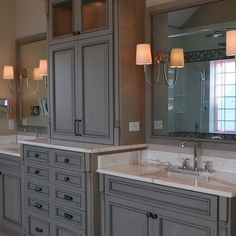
<point x="32" y="83"/>
<point x="202" y="103"/>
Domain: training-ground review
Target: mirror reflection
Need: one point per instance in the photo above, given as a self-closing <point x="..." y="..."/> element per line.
<point x="202" y="103"/>
<point x="32" y="68"/>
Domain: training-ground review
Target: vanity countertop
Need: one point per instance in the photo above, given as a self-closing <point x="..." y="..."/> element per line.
<point x="79" y="147"/>
<point x="10" y="149"/>
<point x="219" y="183"/>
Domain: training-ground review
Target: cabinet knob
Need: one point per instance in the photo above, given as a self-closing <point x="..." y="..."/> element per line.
<point x="37" y="205"/>
<point x="67" y="179"/>
<point x="36" y="155"/>
<point x="154" y="216"/>
<point x="38" y="189"/>
<point x="68" y="216"/>
<point x="0" y="173"/>
<point x="38" y="230"/>
<point x="66" y="160"/>
<point x="149" y="214"/>
<point x="36" y="172"/>
<point x="68" y="198"/>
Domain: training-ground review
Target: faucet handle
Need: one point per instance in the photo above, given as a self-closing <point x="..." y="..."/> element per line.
<point x="185" y="163"/>
<point x="207" y="166"/>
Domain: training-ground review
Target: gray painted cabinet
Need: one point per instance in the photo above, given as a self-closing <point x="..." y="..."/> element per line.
<point x="137" y="208"/>
<point x="10" y="193"/>
<point x="82" y="90"/>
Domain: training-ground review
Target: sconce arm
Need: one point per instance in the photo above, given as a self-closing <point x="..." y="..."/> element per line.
<point x="10" y="89"/>
<point x="170" y="85"/>
<point x="29" y="89"/>
<point x="157" y="78"/>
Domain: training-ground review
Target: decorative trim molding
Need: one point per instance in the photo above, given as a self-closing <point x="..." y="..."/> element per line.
<point x="206" y="55"/>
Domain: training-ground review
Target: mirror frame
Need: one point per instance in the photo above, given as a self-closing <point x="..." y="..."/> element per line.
<point x="161" y="139"/>
<point x="20" y="127"/>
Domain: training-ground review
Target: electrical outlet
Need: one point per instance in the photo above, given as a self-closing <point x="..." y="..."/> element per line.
<point x="24" y="121"/>
<point x="11" y="124"/>
<point x="158" y="124"/>
<point x="134" y="126"/>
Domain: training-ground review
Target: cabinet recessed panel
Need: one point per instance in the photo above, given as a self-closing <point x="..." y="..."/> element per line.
<point x="63" y="91"/>
<point x="95" y="68"/>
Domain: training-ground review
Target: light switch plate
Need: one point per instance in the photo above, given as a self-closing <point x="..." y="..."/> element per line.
<point x="134" y="126"/>
<point x="11" y="124"/>
<point x="24" y="121"/>
<point x="158" y="124"/>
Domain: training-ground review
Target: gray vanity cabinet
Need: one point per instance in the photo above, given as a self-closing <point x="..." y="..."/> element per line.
<point x="82" y="98"/>
<point x="10" y="193"/>
<point x="143" y="209"/>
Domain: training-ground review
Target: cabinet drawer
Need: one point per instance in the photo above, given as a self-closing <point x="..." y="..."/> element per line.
<point x="71" y="199"/>
<point x="182" y="201"/>
<point x="37" y="205"/>
<point x="69" y="179"/>
<point x="37" y="227"/>
<point x="39" y="189"/>
<point x="10" y="162"/>
<point x="63" y="230"/>
<point x="69" y="160"/>
<point x="36" y="154"/>
<point x="37" y="172"/>
<point x="76" y="218"/>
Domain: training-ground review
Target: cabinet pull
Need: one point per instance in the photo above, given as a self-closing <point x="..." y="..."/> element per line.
<point x="36" y="155"/>
<point x="154" y="216"/>
<point x="68" y="216"/>
<point x="76" y="127"/>
<point x="79" y="130"/>
<point x="68" y="198"/>
<point x="66" y="160"/>
<point x="149" y="215"/>
<point x="67" y="178"/>
<point x="37" y="229"/>
<point x="36" y="172"/>
<point x="0" y="173"/>
<point x="37" y="189"/>
<point x="37" y="205"/>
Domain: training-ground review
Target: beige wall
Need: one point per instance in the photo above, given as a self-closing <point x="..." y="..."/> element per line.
<point x="30" y="17"/>
<point x="7" y="55"/>
<point x="150" y="3"/>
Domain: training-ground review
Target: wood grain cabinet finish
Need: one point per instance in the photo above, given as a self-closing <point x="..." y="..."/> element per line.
<point x="136" y="208"/>
<point x="10" y="193"/>
<point x="96" y="89"/>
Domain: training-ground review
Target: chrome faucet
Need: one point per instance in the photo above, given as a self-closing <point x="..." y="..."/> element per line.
<point x="195" y="154"/>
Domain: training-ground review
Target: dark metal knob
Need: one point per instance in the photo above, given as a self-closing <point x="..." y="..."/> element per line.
<point x="66" y="160"/>
<point x="36" y="155"/>
<point x="149" y="214"/>
<point x="68" y="198"/>
<point x="68" y="216"/>
<point x="37" y="205"/>
<point x="36" y="172"/>
<point x="154" y="216"/>
<point x="67" y="179"/>
<point x="38" y="189"/>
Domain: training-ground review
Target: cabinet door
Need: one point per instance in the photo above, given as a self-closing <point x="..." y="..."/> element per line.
<point x="62" y="91"/>
<point x="169" y="223"/>
<point x="10" y="197"/>
<point x="126" y="218"/>
<point x="95" y="90"/>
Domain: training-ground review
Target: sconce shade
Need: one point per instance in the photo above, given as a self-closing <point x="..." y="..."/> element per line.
<point x="8" y="72"/>
<point x="43" y="67"/>
<point x="177" y="58"/>
<point x="36" y="74"/>
<point x="143" y="54"/>
<point x="231" y="43"/>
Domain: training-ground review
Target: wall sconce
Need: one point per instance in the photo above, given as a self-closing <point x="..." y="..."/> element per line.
<point x="43" y="70"/>
<point x="231" y="43"/>
<point x="144" y="57"/>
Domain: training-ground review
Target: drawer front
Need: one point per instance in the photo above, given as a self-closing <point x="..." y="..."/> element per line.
<point x="187" y="202"/>
<point x="37" y="227"/>
<point x="37" y="172"/>
<point x="69" y="160"/>
<point x="10" y="162"/>
<point x="38" y="189"/>
<point x="37" y="205"/>
<point x="36" y="154"/>
<point x="75" y="218"/>
<point x="71" y="199"/>
<point x="61" y="230"/>
<point x="69" y="179"/>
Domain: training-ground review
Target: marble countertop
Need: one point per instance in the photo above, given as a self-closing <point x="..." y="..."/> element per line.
<point x="10" y="149"/>
<point x="79" y="147"/>
<point x="216" y="183"/>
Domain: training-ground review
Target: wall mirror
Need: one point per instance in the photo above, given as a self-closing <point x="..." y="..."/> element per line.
<point x="202" y="104"/>
<point x="32" y="84"/>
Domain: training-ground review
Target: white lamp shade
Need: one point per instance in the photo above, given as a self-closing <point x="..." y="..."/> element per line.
<point x="36" y="74"/>
<point x="8" y="72"/>
<point x="143" y="54"/>
<point x="231" y="43"/>
<point x="177" y="58"/>
<point x="43" y="67"/>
